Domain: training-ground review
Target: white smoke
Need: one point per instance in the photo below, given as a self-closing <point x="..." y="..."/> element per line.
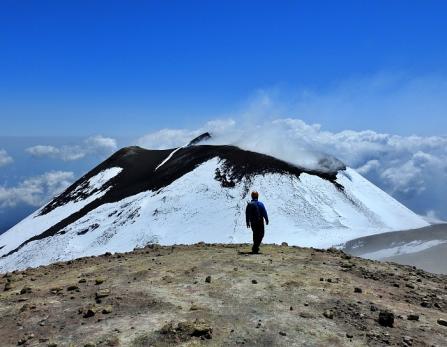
<point x="290" y="140"/>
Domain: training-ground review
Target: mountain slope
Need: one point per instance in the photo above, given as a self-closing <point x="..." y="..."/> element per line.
<point x="424" y="247"/>
<point x="198" y="193"/>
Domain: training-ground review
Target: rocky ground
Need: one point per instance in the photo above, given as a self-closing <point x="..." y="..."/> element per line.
<point x="219" y="295"/>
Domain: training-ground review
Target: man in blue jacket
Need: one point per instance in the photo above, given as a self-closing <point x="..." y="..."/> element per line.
<point x="255" y="213"/>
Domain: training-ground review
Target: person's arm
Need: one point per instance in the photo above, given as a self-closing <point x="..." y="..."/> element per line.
<point x="264" y="213"/>
<point x="247" y="220"/>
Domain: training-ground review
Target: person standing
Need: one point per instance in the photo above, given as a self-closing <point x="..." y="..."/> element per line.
<point x="255" y="214"/>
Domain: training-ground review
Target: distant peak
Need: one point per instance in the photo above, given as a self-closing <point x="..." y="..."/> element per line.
<point x="200" y="138"/>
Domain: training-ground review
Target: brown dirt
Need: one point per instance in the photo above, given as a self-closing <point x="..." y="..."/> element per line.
<point x="159" y="296"/>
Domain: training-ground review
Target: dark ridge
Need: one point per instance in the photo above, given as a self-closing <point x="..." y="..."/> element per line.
<point x="139" y="174"/>
<point x="200" y="138"/>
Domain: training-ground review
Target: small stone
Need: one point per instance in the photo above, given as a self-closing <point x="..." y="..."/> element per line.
<point x="397" y="285"/>
<point x="194" y="307"/>
<point x="89" y="344"/>
<point x="254" y="281"/>
<point x="26" y="290"/>
<point x="442" y="322"/>
<point x="8" y="286"/>
<point x="328" y="314"/>
<point x="208" y="279"/>
<point x="99" y="280"/>
<point x="291" y="308"/>
<point x="349" y="336"/>
<point x="71" y="288"/>
<point x="90" y="312"/>
<point x="102" y="293"/>
<point x="358" y="290"/>
<point x="373" y="308"/>
<point x="52" y="344"/>
<point x="55" y="290"/>
<point x="386" y="319"/>
<point x="426" y="304"/>
<point x="107" y="309"/>
<point x="413" y="317"/>
<point x="409" y="285"/>
<point x="329" y="280"/>
<point x="407" y="340"/>
<point x="82" y="280"/>
<point x="321" y="279"/>
<point x="282" y="333"/>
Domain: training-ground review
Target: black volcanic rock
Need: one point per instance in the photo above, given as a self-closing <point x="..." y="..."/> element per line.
<point x="200" y="138"/>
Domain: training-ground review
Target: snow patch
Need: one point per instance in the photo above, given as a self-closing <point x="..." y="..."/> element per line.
<point x="36" y="223"/>
<point x="406" y="248"/>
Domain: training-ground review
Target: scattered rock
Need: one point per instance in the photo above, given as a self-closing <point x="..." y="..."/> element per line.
<point x="328" y="314"/>
<point x="254" y="281"/>
<point x="386" y="319"/>
<point x="187" y="329"/>
<point x="99" y="280"/>
<point x="413" y="317"/>
<point x="8" y="286"/>
<point x="442" y="322"/>
<point x="55" y="290"/>
<point x="358" y="290"/>
<point x="82" y="280"/>
<point x="407" y="340"/>
<point x="426" y="304"/>
<point x="89" y="312"/>
<point x="107" y="309"/>
<point x="26" y="290"/>
<point x="208" y="279"/>
<point x="282" y="333"/>
<point x="102" y="293"/>
<point x="349" y="336"/>
<point x="194" y="307"/>
<point x="71" y="288"/>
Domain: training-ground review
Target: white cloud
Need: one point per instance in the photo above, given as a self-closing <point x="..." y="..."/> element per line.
<point x="92" y="145"/>
<point x="37" y="190"/>
<point x="411" y="168"/>
<point x="5" y="158"/>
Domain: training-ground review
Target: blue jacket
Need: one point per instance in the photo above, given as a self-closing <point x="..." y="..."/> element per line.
<point x="261" y="208"/>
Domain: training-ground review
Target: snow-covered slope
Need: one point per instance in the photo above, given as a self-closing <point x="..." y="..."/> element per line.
<point x="425" y="247"/>
<point x="199" y="193"/>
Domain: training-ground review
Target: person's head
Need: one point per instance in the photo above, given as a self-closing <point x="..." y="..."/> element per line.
<point x="254" y="195"/>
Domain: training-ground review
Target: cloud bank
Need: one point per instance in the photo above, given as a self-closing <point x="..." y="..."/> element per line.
<point x="5" y="159"/>
<point x="37" y="190"/>
<point x="92" y="145"/>
<point x="411" y="168"/>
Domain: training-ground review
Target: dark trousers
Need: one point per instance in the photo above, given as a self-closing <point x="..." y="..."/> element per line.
<point x="258" y="234"/>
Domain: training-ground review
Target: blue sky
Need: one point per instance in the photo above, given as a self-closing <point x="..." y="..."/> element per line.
<point x="79" y="67"/>
<point x="83" y="78"/>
